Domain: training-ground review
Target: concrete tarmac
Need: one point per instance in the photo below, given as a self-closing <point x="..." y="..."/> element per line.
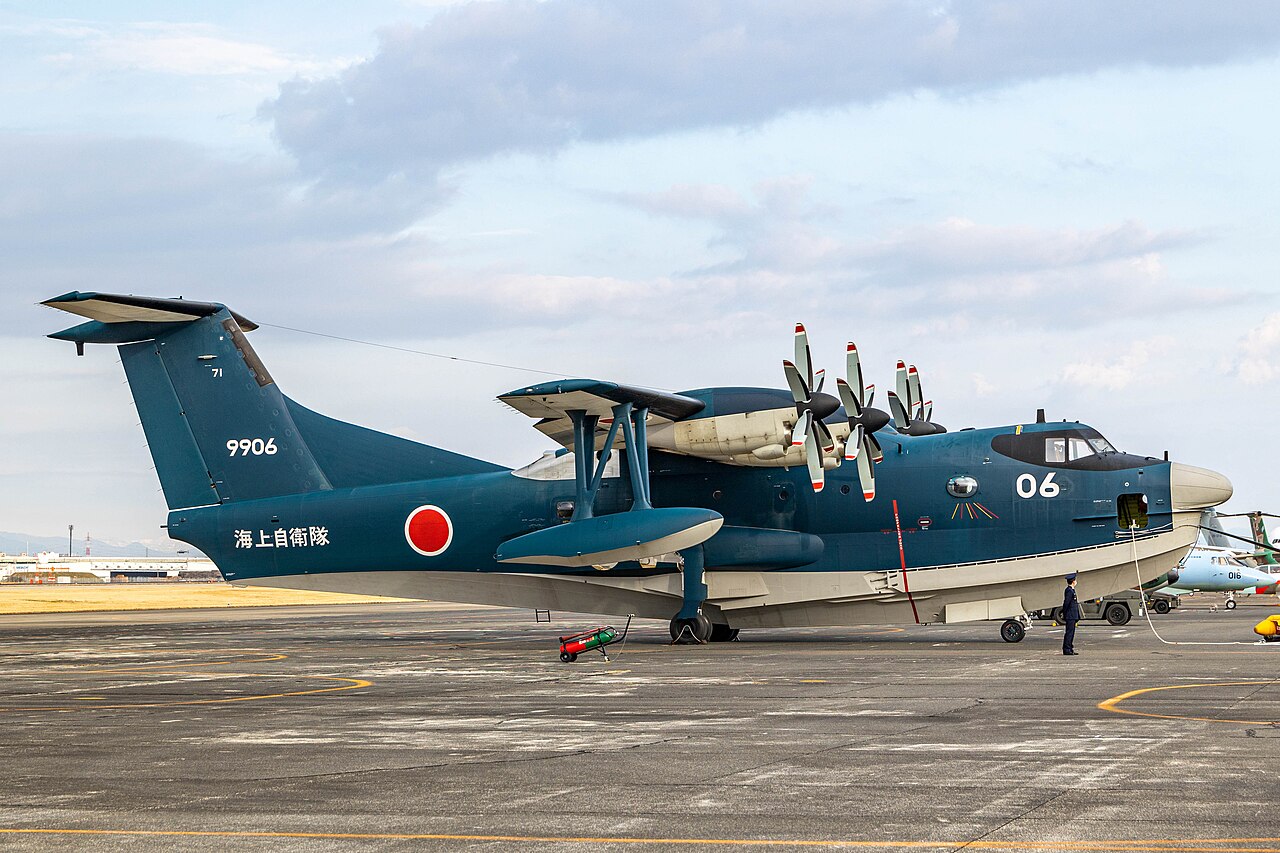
<point x="422" y="727"/>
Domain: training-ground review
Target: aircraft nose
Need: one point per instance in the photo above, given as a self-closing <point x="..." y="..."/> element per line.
<point x="1197" y="488"/>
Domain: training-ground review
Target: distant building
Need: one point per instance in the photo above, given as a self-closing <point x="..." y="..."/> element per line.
<point x="48" y="567"/>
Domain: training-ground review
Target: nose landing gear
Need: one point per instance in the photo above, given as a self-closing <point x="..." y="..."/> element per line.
<point x="1014" y="630"/>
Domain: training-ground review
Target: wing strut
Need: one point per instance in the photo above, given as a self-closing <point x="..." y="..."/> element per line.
<point x="604" y="541"/>
<point x="589" y="471"/>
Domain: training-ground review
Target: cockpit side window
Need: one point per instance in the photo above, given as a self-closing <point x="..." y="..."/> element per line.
<point x="1079" y="449"/>
<point x="1070" y="446"/>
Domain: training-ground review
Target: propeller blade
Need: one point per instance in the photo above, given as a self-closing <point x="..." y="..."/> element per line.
<point x="877" y="455"/>
<point x="799" y="390"/>
<point x="852" y="408"/>
<point x="854" y="444"/>
<point x="913" y="388"/>
<point x="867" y="474"/>
<point x="820" y="377"/>
<point x="853" y="370"/>
<point x="900" y="385"/>
<point x="801" y="430"/>
<point x="823" y="433"/>
<point x="899" y="412"/>
<point x="928" y="410"/>
<point x="870" y="395"/>
<point x="813" y="458"/>
<point x="803" y="363"/>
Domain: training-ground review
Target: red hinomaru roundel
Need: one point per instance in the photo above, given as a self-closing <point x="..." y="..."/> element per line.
<point x="428" y="530"/>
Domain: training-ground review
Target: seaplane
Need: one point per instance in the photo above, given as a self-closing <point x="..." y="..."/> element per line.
<point x="719" y="509"/>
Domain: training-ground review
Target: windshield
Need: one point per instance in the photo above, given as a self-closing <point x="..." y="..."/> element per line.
<point x="1101" y="445"/>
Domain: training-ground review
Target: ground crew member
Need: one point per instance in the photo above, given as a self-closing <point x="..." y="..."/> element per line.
<point x="1070" y="615"/>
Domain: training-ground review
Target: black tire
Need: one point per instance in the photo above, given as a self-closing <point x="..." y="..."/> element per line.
<point x="691" y="631"/>
<point x="568" y="657"/>
<point x="1012" y="631"/>
<point x="722" y="633"/>
<point x="1231" y="605"/>
<point x="1160" y="606"/>
<point x="1117" y="613"/>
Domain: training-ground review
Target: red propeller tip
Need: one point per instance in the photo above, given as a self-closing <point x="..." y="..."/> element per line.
<point x="912" y="369"/>
<point x="851" y="347"/>
<point x="868" y="495"/>
<point x="799" y="328"/>
<point x="902" y="365"/>
<point x="817" y="487"/>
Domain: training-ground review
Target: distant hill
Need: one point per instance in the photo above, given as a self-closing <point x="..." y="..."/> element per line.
<point x="20" y="543"/>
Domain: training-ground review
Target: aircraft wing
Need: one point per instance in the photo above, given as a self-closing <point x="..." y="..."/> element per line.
<point x="551" y="403"/>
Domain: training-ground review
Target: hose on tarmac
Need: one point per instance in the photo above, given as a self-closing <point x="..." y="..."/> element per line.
<point x="1146" y="611"/>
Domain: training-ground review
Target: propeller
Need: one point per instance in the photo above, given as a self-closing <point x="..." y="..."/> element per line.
<point x="811" y="407"/>
<point x="912" y="414"/>
<point x="861" y="446"/>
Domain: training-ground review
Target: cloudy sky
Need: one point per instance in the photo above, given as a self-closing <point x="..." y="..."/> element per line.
<point x="1067" y="205"/>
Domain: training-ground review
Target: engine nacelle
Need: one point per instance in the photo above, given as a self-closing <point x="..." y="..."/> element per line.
<point x="758" y="439"/>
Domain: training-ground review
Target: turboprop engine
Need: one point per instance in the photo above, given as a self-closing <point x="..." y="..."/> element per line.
<point x="763" y="427"/>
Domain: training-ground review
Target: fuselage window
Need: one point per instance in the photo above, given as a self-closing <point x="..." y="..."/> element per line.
<point x="1080" y="449"/>
<point x="1101" y="445"/>
<point x="1055" y="450"/>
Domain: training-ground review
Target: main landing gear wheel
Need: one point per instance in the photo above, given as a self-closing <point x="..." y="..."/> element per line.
<point x="1160" y="606"/>
<point x="1117" y="614"/>
<point x="722" y="633"/>
<point x="691" y="631"/>
<point x="1231" y="604"/>
<point x="1012" y="631"/>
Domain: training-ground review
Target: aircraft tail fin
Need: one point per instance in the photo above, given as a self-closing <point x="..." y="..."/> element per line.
<point x="218" y="427"/>
<point x="1214" y="535"/>
<point x="1258" y="526"/>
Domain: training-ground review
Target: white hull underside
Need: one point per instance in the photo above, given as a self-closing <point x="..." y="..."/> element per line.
<point x="796" y="599"/>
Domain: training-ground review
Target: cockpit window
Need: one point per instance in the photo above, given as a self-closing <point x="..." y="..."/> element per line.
<point x="1068" y="446"/>
<point x="1080" y="449"/>
<point x="1061" y="449"/>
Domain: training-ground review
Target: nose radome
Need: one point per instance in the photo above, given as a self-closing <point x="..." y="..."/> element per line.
<point x="1197" y="488"/>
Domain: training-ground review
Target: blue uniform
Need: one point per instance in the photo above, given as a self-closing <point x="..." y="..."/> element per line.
<point x="1070" y="616"/>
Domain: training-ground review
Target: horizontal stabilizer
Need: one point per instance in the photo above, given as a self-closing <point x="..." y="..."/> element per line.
<point x="613" y="538"/>
<point x="111" y="308"/>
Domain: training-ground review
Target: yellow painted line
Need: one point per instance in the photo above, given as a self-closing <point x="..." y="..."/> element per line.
<point x="91" y="698"/>
<point x="814" y="681"/>
<point x="264" y="657"/>
<point x="351" y="684"/>
<point x="1113" y="703"/>
<point x="1185" y="846"/>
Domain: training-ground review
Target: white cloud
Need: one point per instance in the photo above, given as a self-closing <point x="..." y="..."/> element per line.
<point x="1257" y="360"/>
<point x="1121" y="370"/>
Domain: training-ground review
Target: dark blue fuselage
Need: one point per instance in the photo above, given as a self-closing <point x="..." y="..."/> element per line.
<point x="1021" y="507"/>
